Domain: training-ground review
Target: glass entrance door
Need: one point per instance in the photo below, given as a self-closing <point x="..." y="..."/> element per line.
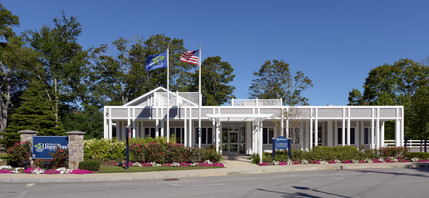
<point x="233" y="140"/>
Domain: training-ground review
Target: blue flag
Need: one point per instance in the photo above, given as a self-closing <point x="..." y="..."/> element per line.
<point x="156" y="61"/>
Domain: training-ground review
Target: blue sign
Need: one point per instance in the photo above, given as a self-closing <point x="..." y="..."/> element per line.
<point x="43" y="146"/>
<point x="281" y="143"/>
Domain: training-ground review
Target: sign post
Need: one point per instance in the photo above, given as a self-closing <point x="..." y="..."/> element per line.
<point x="281" y="142"/>
<point x="127" y="137"/>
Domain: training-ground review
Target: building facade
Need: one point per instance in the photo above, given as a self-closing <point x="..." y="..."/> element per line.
<point x="247" y="126"/>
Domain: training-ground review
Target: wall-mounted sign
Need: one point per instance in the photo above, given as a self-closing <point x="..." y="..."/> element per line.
<point x="44" y="146"/>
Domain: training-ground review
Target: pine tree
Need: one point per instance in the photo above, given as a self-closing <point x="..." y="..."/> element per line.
<point x="35" y="113"/>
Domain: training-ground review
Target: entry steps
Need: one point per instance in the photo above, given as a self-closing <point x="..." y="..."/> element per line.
<point x="237" y="157"/>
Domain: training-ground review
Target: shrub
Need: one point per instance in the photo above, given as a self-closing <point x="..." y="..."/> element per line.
<point x="89" y="165"/>
<point x="40" y="162"/>
<point x="266" y="158"/>
<point x="60" y="158"/>
<point x="396" y="152"/>
<point x="103" y="149"/>
<point x="19" y="152"/>
<point x="420" y="155"/>
<point x="209" y="153"/>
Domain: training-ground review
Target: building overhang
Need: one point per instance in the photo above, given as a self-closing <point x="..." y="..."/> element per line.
<point x="238" y="117"/>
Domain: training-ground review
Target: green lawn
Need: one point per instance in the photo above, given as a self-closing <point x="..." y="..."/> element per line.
<point x="118" y="169"/>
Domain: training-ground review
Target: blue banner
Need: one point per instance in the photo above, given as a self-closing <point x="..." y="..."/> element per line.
<point x="156" y="61"/>
<point x="281" y="143"/>
<point x="43" y="146"/>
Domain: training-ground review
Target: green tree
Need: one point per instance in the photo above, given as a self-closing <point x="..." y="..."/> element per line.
<point x="64" y="63"/>
<point x="356" y="98"/>
<point x="118" y="77"/>
<point x="396" y="84"/>
<point x="16" y="62"/>
<point x="215" y="78"/>
<point x="35" y="113"/>
<point x="88" y="120"/>
<point x="274" y="80"/>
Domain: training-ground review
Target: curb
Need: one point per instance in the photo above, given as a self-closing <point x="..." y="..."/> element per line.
<point x="166" y="175"/>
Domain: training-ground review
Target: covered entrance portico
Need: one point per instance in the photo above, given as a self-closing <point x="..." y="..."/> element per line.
<point x="231" y="134"/>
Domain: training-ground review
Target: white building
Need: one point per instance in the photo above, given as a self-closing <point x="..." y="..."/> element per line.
<point x="248" y="125"/>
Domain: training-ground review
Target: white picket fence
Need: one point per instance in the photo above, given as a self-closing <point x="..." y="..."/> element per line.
<point x="414" y="145"/>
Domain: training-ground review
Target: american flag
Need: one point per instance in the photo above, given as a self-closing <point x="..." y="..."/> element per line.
<point x="191" y="57"/>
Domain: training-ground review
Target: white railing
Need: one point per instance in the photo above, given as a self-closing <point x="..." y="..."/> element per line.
<point x="410" y="143"/>
<point x="256" y="102"/>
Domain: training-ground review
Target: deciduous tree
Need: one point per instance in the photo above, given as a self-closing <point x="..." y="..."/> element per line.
<point x="274" y="80"/>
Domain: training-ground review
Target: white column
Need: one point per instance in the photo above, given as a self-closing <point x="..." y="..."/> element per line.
<point x="156" y="127"/>
<point x="343" y="131"/>
<point x="311" y="134"/>
<point x="118" y="128"/>
<point x="357" y="134"/>
<point x="217" y="135"/>
<point x="397" y="136"/>
<point x="372" y="133"/>
<point x="105" y="126"/>
<point x="110" y="129"/>
<point x="162" y="128"/>
<point x="316" y="132"/>
<point x="134" y="128"/>
<point x="185" y="128"/>
<point x="382" y="134"/>
<point x="301" y="135"/>
<point x="348" y="132"/>
<point x="402" y="130"/>
<point x="282" y="127"/>
<point x="330" y="134"/>
<point x="362" y="133"/>
<point x="260" y="140"/>
<point x="335" y="133"/>
<point x="287" y="135"/>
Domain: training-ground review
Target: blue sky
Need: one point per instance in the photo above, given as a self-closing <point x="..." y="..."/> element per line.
<point x="335" y="43"/>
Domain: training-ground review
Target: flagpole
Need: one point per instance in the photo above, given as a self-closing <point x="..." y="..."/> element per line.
<point x="199" y="101"/>
<point x="168" y="94"/>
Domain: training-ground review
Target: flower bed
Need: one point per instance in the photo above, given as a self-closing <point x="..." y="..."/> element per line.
<point x="377" y="160"/>
<point x="38" y="171"/>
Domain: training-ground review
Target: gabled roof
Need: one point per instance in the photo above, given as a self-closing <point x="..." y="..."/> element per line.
<point x="145" y="96"/>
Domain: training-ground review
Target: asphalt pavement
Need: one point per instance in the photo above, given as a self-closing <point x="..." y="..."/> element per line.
<point x="232" y="167"/>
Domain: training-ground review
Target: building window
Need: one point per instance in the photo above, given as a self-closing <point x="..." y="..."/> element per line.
<point x="340" y="136"/>
<point x="178" y="134"/>
<point x="366" y="136"/>
<point x="206" y="135"/>
<point x="149" y="132"/>
<point x="267" y="135"/>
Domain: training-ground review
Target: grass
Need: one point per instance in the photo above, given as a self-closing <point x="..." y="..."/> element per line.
<point x="118" y="169"/>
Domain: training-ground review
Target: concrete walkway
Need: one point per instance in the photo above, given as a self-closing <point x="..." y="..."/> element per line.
<point x="233" y="167"/>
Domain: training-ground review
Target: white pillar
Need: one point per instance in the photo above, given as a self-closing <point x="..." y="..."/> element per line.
<point x="343" y="131"/>
<point x="348" y="132"/>
<point x="372" y="133"/>
<point x="311" y="134"/>
<point x="110" y="129"/>
<point x="316" y="132"/>
<point x="260" y="140"/>
<point x="156" y="127"/>
<point x="362" y="133"/>
<point x="335" y="133"/>
<point x="282" y="127"/>
<point x="397" y="133"/>
<point x="330" y="134"/>
<point x="217" y="135"/>
<point x="118" y="128"/>
<point x="105" y="125"/>
<point x="301" y="135"/>
<point x="402" y="130"/>
<point x="287" y="135"/>
<point x="357" y="134"/>
<point x="185" y="129"/>
<point x="134" y="128"/>
<point x="382" y="134"/>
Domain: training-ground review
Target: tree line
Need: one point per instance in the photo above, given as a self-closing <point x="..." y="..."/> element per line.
<point x="51" y="84"/>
